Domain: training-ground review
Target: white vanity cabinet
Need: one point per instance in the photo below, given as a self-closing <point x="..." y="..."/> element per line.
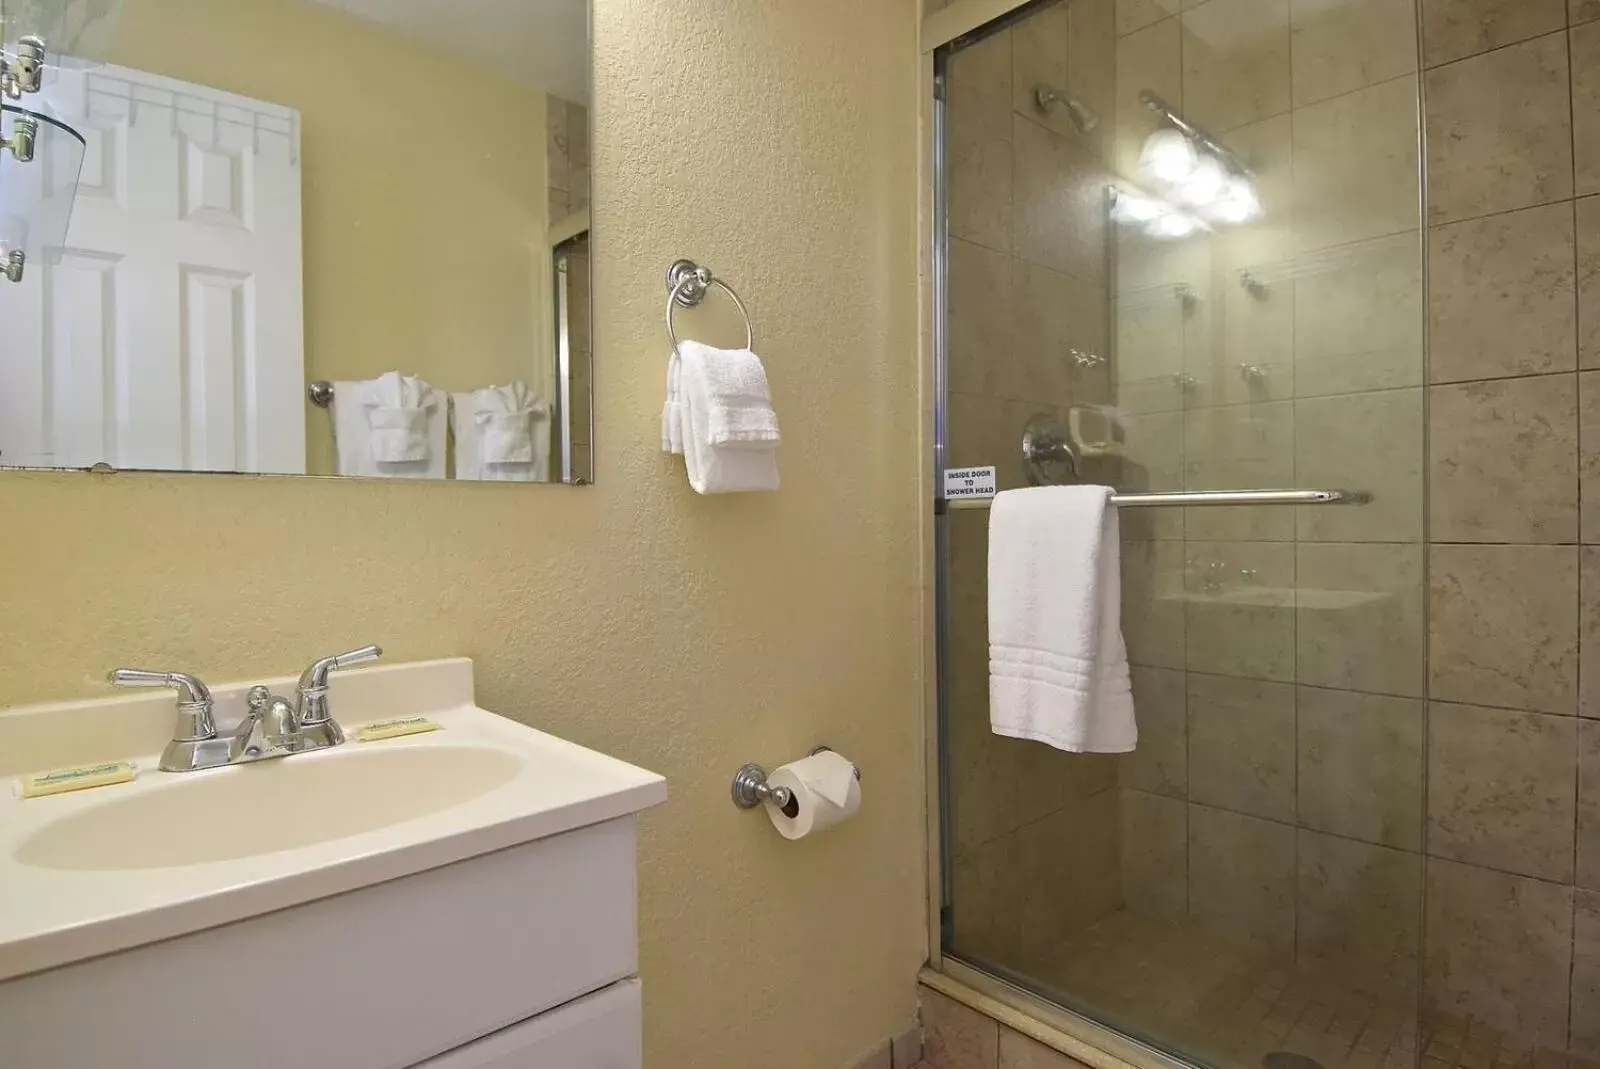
<point x="493" y="933"/>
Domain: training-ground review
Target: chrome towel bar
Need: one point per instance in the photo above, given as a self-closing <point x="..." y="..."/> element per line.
<point x="1191" y="499"/>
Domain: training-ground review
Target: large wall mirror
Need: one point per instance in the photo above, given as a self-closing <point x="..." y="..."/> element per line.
<point x="319" y="237"/>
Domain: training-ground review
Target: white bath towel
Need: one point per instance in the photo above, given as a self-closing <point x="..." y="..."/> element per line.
<point x="1058" y="666"/>
<point x="725" y="421"/>
<point x="502" y="435"/>
<point x="380" y="417"/>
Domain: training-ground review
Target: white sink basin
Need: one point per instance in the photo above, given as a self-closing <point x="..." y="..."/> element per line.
<point x="262" y="808"/>
<point x="171" y="853"/>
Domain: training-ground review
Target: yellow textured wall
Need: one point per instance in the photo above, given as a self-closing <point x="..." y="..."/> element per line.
<point x="776" y="142"/>
<point x="423" y="186"/>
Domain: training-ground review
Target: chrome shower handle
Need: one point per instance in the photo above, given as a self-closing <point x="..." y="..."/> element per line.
<point x="195" y="720"/>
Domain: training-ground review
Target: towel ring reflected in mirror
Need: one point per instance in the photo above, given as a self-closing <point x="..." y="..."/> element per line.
<point x="687" y="285"/>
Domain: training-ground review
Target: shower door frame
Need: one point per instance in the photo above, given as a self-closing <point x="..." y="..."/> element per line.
<point x="1051" y="1023"/>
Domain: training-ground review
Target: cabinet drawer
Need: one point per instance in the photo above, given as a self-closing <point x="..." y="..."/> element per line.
<point x="598" y="1031"/>
<point x="379" y="978"/>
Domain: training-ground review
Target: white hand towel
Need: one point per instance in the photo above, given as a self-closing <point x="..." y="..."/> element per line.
<point x="1058" y="666"/>
<point x="672" y="417"/>
<point x="471" y="415"/>
<point x="353" y="428"/>
<point x="729" y="467"/>
<point x="398" y="434"/>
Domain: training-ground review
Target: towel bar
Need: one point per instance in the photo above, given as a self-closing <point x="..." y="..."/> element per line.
<point x="1191" y="499"/>
<point x="687" y="284"/>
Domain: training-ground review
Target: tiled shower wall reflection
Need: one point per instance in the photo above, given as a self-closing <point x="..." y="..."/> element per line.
<point x="1362" y="753"/>
<point x="1276" y="798"/>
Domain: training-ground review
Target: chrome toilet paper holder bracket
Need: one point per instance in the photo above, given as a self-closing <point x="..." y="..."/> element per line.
<point x="750" y="786"/>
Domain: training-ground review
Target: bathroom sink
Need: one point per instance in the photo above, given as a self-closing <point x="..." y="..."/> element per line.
<point x="229" y="813"/>
<point x="93" y="872"/>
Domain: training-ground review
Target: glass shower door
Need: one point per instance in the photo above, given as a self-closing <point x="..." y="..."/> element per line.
<point x="1189" y="243"/>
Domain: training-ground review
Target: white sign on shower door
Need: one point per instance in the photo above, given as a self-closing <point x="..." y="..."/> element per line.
<point x="169" y="334"/>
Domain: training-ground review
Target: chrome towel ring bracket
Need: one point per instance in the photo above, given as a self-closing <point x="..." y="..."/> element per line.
<point x="687" y="285"/>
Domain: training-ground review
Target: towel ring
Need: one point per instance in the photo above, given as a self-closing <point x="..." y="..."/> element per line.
<point x="687" y="285"/>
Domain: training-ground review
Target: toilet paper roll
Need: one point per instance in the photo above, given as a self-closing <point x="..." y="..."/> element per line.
<point x="824" y="792"/>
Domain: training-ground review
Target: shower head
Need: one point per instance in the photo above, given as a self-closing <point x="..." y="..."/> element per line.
<point x="1083" y="116"/>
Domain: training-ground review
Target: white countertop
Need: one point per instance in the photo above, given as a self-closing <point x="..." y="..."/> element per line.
<point x="51" y="917"/>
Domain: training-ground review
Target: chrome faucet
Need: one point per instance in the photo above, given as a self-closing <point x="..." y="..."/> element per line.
<point x="272" y="727"/>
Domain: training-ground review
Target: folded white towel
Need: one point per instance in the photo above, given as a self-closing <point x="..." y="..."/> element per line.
<point x="398" y="434"/>
<point x="672" y="417"/>
<point x="1058" y="666"/>
<point x="714" y="385"/>
<point x="382" y="417"/>
<point x="502" y="422"/>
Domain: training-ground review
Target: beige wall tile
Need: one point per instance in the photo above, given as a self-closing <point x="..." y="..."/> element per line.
<point x="1360" y="913"/>
<point x="1235" y="62"/>
<point x="1582" y="10"/>
<point x="1239" y="447"/>
<point x="1245" y="629"/>
<point x="1017" y="1051"/>
<point x="1155" y="854"/>
<point x="1499" y="131"/>
<point x="1153" y="609"/>
<point x="1256" y="329"/>
<point x="1588" y="240"/>
<point x="1367" y="441"/>
<point x="1150" y="339"/>
<point x="1585" y="1038"/>
<point x="1039" y="49"/>
<point x="1154" y="461"/>
<point x="1501" y="295"/>
<point x="1350" y="44"/>
<point x="1585" y="56"/>
<point x="1056" y="314"/>
<point x="1360" y="766"/>
<point x="982" y="321"/>
<point x="1504" y="626"/>
<point x="1355" y="166"/>
<point x="979" y="152"/>
<point x="880" y="1057"/>
<point x="1148" y="59"/>
<point x="1359" y="318"/>
<point x="1137" y="14"/>
<point x="956" y="1037"/>
<point x="1063" y="872"/>
<point x="985" y="926"/>
<point x="1589" y="625"/>
<point x="1059" y="207"/>
<point x="1092" y="64"/>
<point x="1455" y="29"/>
<point x="1242" y="745"/>
<point x="1505" y="460"/>
<point x="1498" y="949"/>
<point x="1359" y="616"/>
<point x="988" y="431"/>
<point x="1501" y="789"/>
<point x="1242" y="877"/>
<point x="1267" y="147"/>
<point x="1589" y="805"/>
<point x="1160" y="764"/>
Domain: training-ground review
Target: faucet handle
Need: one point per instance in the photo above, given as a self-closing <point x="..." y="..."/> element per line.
<point x="313" y="695"/>
<point x="195" y="721"/>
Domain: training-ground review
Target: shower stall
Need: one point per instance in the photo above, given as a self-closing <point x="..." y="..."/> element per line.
<point x="1181" y="248"/>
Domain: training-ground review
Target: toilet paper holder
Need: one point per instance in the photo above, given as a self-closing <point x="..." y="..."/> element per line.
<point x="750" y="786"/>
